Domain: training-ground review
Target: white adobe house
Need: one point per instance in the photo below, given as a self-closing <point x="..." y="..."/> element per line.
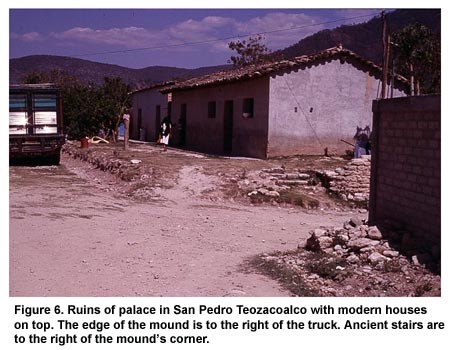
<point x="306" y="106"/>
<point x="149" y="109"/>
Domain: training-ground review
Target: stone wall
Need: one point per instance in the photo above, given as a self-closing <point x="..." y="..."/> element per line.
<point x="406" y="167"/>
<point x="351" y="182"/>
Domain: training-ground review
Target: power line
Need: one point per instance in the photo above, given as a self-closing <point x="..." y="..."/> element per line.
<point x="221" y="39"/>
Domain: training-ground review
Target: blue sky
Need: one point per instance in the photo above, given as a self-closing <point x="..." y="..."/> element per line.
<point x="138" y="38"/>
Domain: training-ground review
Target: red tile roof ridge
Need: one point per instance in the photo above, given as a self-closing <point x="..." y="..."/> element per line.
<point x="254" y="71"/>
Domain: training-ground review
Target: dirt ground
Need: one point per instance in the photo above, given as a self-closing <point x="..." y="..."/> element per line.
<point x="174" y="224"/>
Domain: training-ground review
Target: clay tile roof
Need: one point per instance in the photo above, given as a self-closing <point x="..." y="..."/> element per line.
<point x="156" y="86"/>
<point x="255" y="71"/>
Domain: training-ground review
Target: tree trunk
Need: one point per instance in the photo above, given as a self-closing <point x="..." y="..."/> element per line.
<point x="411" y="72"/>
<point x="126" y="124"/>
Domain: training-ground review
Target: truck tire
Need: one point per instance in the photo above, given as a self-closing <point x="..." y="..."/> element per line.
<point x="55" y="159"/>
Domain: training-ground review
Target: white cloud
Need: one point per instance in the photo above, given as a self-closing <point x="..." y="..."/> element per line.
<point x="27" y="37"/>
<point x="130" y="37"/>
<point x="283" y="29"/>
<point x="286" y="28"/>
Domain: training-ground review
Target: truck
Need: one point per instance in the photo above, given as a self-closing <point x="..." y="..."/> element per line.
<point x="36" y="122"/>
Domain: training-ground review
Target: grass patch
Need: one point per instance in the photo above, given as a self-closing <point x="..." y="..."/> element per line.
<point x="288" y="278"/>
<point x="290" y="197"/>
<point x="326" y="266"/>
<point x="299" y="199"/>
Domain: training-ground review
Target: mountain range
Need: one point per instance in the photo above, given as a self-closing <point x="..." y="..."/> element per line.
<point x="364" y="39"/>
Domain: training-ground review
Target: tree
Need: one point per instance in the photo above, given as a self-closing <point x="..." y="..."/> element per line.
<point x="88" y="108"/>
<point x="250" y="52"/>
<point x="114" y="101"/>
<point x="55" y="76"/>
<point x="81" y="111"/>
<point x="417" y="56"/>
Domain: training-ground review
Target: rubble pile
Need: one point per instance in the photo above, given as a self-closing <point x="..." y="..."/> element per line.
<point x="270" y="182"/>
<point x="124" y="169"/>
<point x="355" y="260"/>
<point x="277" y="185"/>
<point x="350" y="183"/>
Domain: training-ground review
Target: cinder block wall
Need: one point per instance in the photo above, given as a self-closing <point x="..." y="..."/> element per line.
<point x="406" y="166"/>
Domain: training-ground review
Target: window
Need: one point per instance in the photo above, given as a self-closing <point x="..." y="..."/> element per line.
<point x="17" y="102"/>
<point x="44" y="101"/>
<point x="247" y="108"/>
<point x="211" y="109"/>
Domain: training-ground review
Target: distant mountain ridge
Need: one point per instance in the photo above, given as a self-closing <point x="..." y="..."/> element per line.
<point x="89" y="71"/>
<point x="364" y="39"/>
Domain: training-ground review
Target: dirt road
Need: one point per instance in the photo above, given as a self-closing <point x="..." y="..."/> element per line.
<point x="70" y="237"/>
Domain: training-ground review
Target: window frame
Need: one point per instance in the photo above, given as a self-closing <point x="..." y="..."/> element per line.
<point x="212" y="110"/>
<point x="248" y="108"/>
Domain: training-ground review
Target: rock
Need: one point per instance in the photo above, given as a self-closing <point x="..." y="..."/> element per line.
<point x="303" y="176"/>
<point x="352" y="259"/>
<point x="272" y="194"/>
<point x="292" y="176"/>
<point x="291" y="182"/>
<point x="424" y="258"/>
<point x="361" y="243"/>
<point x="343" y="237"/>
<point x="374" y="233"/>
<point x="312" y="244"/>
<point x="337" y="248"/>
<point x="347" y="226"/>
<point x="368" y="249"/>
<point x="390" y="253"/>
<point x="325" y="242"/>
<point x="355" y="221"/>
<point x="319" y="232"/>
<point x="357" y="233"/>
<point x="366" y="269"/>
<point x="415" y="260"/>
<point x="278" y="170"/>
<point x="263" y="190"/>
<point x="376" y="258"/>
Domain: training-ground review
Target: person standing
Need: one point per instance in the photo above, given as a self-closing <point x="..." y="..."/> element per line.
<point x="126" y="122"/>
<point x="166" y="130"/>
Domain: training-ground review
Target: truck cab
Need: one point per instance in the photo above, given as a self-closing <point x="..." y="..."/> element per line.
<point x="35" y="122"/>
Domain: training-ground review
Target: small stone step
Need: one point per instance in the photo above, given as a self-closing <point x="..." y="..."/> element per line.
<point x="291" y="182"/>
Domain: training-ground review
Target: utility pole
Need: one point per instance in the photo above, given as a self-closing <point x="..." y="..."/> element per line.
<point x="386" y="44"/>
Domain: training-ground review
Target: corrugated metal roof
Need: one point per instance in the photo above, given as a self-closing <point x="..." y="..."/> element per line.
<point x="42" y="86"/>
<point x="255" y="71"/>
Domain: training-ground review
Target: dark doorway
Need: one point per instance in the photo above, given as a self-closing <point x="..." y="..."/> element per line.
<point x="182" y="125"/>
<point x="228" y="127"/>
<point x="157" y="121"/>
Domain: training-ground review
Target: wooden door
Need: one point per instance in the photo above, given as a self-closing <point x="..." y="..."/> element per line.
<point x="228" y="127"/>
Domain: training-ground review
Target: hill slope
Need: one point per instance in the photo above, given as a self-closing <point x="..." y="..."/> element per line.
<point x="365" y="38"/>
<point x="88" y="71"/>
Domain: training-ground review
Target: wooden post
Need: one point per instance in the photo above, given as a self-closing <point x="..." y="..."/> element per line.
<point x="126" y="127"/>
<point x="386" y="66"/>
